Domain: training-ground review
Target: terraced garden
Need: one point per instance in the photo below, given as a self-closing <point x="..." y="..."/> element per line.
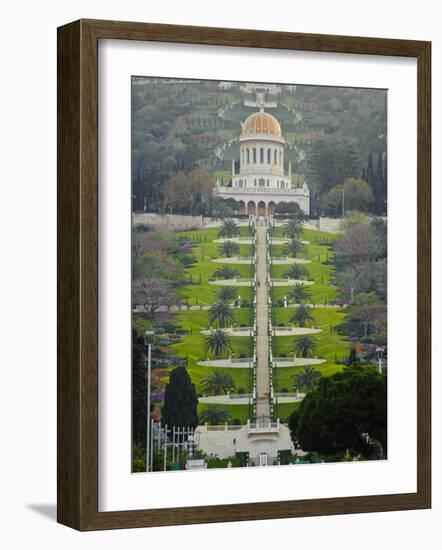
<point x="201" y="291"/>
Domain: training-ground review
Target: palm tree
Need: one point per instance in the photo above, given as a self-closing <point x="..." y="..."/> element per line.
<point x="214" y="416"/>
<point x="292" y="229"/>
<point x="299" y="293"/>
<point x="228" y="248"/>
<point x="221" y="313"/>
<point x="226" y="272"/>
<point x="223" y="208"/>
<point x="229" y="228"/>
<point x="305" y="346"/>
<point x="301" y="316"/>
<point x="307" y="379"/>
<point x="218" y="342"/>
<point x="294" y="248"/>
<point x="296" y="271"/>
<point x="226" y="294"/>
<point x="217" y="383"/>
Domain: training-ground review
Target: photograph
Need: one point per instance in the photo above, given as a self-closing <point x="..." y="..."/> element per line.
<point x="259" y="274"/>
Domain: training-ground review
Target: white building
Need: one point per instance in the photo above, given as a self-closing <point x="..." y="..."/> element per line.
<point x="259" y="179"/>
<point x="262" y="440"/>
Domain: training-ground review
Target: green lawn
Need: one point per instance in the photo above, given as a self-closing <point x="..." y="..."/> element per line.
<point x="285" y="410"/>
<point x="320" y="292"/>
<point x="329" y="343"/>
<point x="200" y="291"/>
<point x="235" y="411"/>
<point x="192" y="347"/>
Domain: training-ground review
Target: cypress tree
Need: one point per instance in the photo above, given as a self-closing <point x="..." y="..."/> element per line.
<point x="139" y="388"/>
<point x="370" y="173"/>
<point x="379" y="191"/>
<point x="349" y="162"/>
<point x="180" y="400"/>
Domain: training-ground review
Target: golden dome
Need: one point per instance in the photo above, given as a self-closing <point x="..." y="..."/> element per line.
<point x="261" y="123"/>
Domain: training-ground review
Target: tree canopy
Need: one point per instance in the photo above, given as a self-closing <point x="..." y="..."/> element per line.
<point x="214" y="415"/>
<point x="180" y="400"/>
<point x="352" y="194"/>
<point x="343" y="408"/>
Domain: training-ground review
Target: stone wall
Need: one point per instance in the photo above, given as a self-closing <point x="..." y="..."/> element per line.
<point x="176" y="222"/>
<point x="331" y="225"/>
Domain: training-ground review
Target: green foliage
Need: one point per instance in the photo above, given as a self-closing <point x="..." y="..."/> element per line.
<point x="214" y="416"/>
<point x="138" y="458"/>
<point x="222" y="314"/>
<point x="229" y="249"/>
<point x="187" y="260"/>
<point x="180" y="401"/>
<point x="307" y="379"/>
<point x="218" y="383"/>
<point x="294" y="248"/>
<point x="158" y="461"/>
<point x="352" y="357"/>
<point x="177" y="126"/>
<point x="226" y="272"/>
<point x="333" y="417"/>
<point x="292" y="209"/>
<point x="296" y="271"/>
<point x="377" y="179"/>
<point x="139" y="390"/>
<point x="305" y="346"/>
<point x="223" y="208"/>
<point x="299" y="293"/>
<point x="353" y="194"/>
<point x="218" y="342"/>
<point x="229" y="229"/>
<point x="302" y="315"/>
<point x="329" y="162"/>
<point x="226" y="294"/>
<point x="292" y="229"/>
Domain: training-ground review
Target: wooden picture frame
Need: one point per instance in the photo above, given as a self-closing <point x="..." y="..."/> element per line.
<point x="78" y="274"/>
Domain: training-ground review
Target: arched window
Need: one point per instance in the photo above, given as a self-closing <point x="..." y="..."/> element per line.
<point x="268" y="183"/>
<point x="280" y="158"/>
<point x="269" y="154"/>
<point x="254" y="155"/>
<point x="275" y="160"/>
<point x="242" y="156"/>
<point x="255" y="183"/>
<point x="261" y="155"/>
<point x="248" y="156"/>
<point x="262" y="182"/>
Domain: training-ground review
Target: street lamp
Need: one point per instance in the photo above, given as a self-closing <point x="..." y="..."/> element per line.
<point x="380" y="351"/>
<point x="148" y="333"/>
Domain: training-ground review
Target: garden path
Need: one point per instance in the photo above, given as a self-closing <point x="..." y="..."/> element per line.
<point x="262" y="322"/>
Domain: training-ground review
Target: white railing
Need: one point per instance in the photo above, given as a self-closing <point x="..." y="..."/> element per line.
<point x="296" y="395"/>
<point x="239" y="395"/>
<point x="259" y="190"/>
<point x="282" y="329"/>
<point x="263" y="425"/>
<point x="220" y="428"/>
<point x="241" y="329"/>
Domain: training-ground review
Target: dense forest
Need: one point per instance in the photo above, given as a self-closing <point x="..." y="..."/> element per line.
<point x="182" y="127"/>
